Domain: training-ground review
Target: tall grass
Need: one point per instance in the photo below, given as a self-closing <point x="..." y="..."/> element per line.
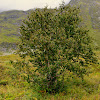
<point x="13" y="85"/>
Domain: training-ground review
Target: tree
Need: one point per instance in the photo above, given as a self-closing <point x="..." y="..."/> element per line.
<point x="55" y="43"/>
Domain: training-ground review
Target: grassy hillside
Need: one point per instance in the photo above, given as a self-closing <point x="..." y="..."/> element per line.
<point x="9" y="27"/>
<point x="90" y="13"/>
<point x="13" y="84"/>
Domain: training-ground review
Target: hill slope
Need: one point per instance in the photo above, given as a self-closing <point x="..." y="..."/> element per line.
<point x="9" y="27"/>
<point x="90" y="12"/>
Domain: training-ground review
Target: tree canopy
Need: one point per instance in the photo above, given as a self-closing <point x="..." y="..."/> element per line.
<point x="55" y="42"/>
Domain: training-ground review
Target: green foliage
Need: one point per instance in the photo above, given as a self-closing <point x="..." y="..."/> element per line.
<point x="56" y="44"/>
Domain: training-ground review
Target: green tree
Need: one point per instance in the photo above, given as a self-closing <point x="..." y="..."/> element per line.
<point x="55" y="43"/>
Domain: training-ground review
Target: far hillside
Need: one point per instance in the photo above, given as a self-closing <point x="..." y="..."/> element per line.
<point x="10" y="22"/>
<point x="90" y="13"/>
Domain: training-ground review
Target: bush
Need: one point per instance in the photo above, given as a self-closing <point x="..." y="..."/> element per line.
<point x="55" y="43"/>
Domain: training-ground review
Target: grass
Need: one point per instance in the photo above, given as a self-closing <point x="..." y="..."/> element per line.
<point x="13" y="86"/>
<point x="9" y="27"/>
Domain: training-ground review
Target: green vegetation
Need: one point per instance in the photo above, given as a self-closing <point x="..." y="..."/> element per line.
<point x="9" y="27"/>
<point x="90" y="12"/>
<point x="49" y="67"/>
<point x="13" y="84"/>
<point x="56" y="45"/>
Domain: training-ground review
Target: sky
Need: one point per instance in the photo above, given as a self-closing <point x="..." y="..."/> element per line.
<point x="29" y="4"/>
